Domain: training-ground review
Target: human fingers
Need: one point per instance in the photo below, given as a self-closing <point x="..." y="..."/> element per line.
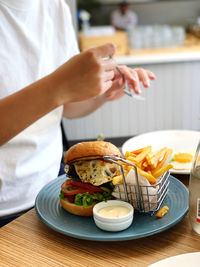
<point x="126" y="72"/>
<point x="118" y="84"/>
<point x="115" y="95"/>
<point x="103" y="51"/>
<point x="131" y="76"/>
<point x="106" y="86"/>
<point x="143" y="77"/>
<point x="151" y="75"/>
<point x="108" y="75"/>
<point x="116" y="91"/>
<point x="134" y="82"/>
<point x="108" y="64"/>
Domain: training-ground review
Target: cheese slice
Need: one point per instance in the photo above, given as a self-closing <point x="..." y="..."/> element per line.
<point x="96" y="172"/>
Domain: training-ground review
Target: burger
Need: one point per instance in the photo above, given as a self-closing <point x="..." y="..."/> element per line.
<point x="89" y="176"/>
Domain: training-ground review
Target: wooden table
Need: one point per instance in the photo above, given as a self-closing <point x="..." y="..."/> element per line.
<point x="27" y="241"/>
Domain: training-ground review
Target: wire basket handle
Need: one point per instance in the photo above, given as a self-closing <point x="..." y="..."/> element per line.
<point x="115" y="160"/>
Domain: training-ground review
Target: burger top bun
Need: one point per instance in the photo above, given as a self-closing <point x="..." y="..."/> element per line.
<point x="91" y="149"/>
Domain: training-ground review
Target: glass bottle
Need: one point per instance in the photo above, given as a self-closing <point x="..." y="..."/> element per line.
<point x="194" y="192"/>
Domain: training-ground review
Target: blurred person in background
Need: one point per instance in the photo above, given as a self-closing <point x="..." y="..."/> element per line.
<point x="43" y="78"/>
<point x="123" y="17"/>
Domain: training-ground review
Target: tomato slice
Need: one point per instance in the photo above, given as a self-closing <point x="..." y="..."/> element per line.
<point x="71" y="187"/>
<point x="69" y="190"/>
<point x="87" y="186"/>
<point x="71" y="198"/>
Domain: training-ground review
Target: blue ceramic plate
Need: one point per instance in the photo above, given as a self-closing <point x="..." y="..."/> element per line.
<point x="49" y="210"/>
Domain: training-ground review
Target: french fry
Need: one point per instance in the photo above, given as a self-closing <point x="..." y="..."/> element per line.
<point x="140" y="157"/>
<point x="162" y="162"/>
<point x="138" y="151"/>
<point x="162" y="212"/>
<point x="129" y="168"/>
<point x="151" y="178"/>
<point x="117" y="179"/>
<point x="155" y="157"/>
<point x="145" y="164"/>
<point x="149" y="164"/>
<point x="162" y="170"/>
<point x="132" y="160"/>
<point x="128" y="154"/>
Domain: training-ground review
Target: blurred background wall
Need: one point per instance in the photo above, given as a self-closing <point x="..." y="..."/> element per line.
<point x="171" y="12"/>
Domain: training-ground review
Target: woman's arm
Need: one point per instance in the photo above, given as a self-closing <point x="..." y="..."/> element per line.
<point x="21" y="109"/>
<point x="82" y="77"/>
<point x="83" y="108"/>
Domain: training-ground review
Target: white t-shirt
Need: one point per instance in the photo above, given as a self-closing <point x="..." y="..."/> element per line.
<point x="36" y="37"/>
<point x="123" y="21"/>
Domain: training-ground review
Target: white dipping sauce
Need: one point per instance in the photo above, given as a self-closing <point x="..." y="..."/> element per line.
<point x="114" y="211"/>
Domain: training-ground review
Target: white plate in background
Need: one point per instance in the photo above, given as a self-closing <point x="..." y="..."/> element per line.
<point x="174" y="139"/>
<point x="183" y="260"/>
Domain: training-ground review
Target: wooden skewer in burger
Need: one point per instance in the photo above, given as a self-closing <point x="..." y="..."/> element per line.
<point x="90" y="176"/>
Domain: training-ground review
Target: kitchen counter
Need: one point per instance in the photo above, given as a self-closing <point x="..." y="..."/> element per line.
<point x="157" y="58"/>
<point x="189" y="51"/>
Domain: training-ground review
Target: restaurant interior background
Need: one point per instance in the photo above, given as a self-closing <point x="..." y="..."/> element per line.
<point x="173" y="100"/>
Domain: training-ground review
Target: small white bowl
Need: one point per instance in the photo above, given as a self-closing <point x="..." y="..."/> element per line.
<point x="114" y="224"/>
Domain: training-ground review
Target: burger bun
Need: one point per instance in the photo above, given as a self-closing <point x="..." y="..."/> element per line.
<point x="76" y="209"/>
<point x="92" y="149"/>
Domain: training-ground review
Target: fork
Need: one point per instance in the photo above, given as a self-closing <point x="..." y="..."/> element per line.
<point x="127" y="91"/>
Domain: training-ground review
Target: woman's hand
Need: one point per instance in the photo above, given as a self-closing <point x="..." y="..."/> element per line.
<point x="86" y="75"/>
<point x="133" y="76"/>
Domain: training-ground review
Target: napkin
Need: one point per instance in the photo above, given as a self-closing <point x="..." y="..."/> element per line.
<point x="149" y="193"/>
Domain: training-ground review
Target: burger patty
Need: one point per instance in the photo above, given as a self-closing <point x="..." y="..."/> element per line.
<point x="96" y="172"/>
<point x="71" y="172"/>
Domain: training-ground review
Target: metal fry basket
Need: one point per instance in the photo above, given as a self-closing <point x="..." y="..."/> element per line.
<point x="145" y="199"/>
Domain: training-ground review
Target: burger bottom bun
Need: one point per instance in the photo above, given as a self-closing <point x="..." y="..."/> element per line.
<point x="75" y="209"/>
